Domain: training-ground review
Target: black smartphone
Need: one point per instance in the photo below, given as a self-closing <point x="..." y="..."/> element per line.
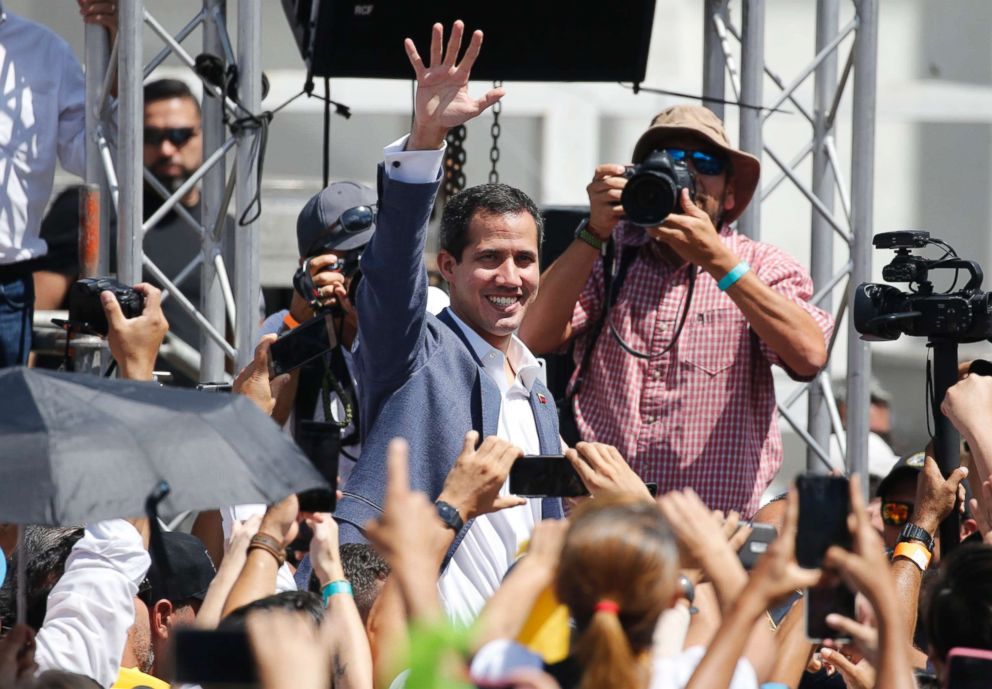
<point x="304" y="343"/>
<point x="540" y="476"/>
<point x="321" y="443"/>
<point x="213" y="657"/>
<point x="756" y="544"/>
<point x="821" y="600"/>
<point x="824" y="503"/>
<point x="968" y="668"/>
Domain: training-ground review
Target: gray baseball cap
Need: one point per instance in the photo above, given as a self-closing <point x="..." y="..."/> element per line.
<point x="339" y="218"/>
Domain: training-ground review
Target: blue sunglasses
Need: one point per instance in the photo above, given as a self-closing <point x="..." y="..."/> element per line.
<point x="705" y="163"/>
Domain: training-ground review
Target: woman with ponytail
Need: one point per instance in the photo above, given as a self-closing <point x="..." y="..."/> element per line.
<point x="617" y="574"/>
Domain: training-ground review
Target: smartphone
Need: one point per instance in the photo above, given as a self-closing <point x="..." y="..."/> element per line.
<point x="756" y="544"/>
<point x="321" y="443"/>
<point x="824" y="503"/>
<point x="213" y="657"/>
<point x="968" y="668"/>
<point x="540" y="476"/>
<point x="304" y="343"/>
<point x="821" y="601"/>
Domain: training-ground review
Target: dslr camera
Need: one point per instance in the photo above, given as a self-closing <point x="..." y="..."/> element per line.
<point x="884" y="312"/>
<point x="85" y="310"/>
<point x="654" y="188"/>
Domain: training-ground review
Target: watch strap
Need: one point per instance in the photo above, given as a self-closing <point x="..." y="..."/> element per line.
<point x="582" y="233"/>
<point x="912" y="532"/>
<point x="449" y="515"/>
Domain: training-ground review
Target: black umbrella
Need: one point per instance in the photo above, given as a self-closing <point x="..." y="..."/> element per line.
<point x="76" y="448"/>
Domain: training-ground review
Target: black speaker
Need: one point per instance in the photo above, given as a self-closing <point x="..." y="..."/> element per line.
<point x="559" y="231"/>
<point x="526" y="40"/>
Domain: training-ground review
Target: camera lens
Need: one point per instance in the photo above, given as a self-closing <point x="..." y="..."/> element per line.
<point x="648" y="198"/>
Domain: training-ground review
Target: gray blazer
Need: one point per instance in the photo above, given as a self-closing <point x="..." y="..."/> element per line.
<point x="420" y="378"/>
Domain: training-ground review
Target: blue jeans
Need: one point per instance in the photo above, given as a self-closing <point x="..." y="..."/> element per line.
<point x="16" y="314"/>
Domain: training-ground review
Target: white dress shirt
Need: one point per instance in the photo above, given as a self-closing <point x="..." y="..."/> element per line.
<point x="91" y="608"/>
<point x="42" y="116"/>
<point x="483" y="557"/>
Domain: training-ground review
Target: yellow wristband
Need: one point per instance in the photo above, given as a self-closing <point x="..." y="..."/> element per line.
<point x="915" y="552"/>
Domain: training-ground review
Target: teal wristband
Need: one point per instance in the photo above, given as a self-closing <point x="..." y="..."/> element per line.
<point x="735" y="274"/>
<point x="334" y="588"/>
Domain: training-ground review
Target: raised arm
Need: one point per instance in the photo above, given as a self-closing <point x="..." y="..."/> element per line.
<point x="393" y="293"/>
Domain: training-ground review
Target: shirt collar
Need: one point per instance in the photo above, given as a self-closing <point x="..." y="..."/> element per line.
<point x="521" y="358"/>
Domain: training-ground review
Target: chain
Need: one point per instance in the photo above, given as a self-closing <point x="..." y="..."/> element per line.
<point x="495" y="131"/>
<point x="454" y="162"/>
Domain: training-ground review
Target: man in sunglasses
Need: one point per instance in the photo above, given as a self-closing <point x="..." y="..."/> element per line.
<point x="172" y="152"/>
<point x="675" y="362"/>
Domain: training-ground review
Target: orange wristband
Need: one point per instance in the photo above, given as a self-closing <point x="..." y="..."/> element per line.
<point x="915" y="552"/>
<point x="289" y="321"/>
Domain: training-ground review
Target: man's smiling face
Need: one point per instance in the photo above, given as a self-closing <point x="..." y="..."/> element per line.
<point x="496" y="278"/>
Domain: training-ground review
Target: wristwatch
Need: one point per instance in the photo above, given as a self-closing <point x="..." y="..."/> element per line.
<point x="912" y="532"/>
<point x="688" y="592"/>
<point x="582" y="232"/>
<point x="449" y="515"/>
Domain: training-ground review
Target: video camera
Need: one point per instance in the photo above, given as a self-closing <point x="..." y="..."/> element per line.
<point x="883" y="312"/>
<point x="654" y="188"/>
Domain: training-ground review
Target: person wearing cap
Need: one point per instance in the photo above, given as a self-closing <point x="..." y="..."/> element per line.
<point x="679" y="376"/>
<point x="168" y="598"/>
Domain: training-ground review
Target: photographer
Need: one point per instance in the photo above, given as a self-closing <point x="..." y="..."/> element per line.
<point x="675" y="363"/>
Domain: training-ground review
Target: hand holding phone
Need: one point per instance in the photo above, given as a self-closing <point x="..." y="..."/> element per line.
<point x="824" y="503"/>
<point x="539" y="476"/>
<point x="304" y="343"/>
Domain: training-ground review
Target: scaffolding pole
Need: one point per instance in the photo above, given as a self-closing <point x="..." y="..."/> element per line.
<point x="130" y="135"/>
<point x="714" y="76"/>
<point x="822" y="241"/>
<point x="247" y="240"/>
<point x="212" y="195"/>
<point x="862" y="186"/>
<point x="752" y="77"/>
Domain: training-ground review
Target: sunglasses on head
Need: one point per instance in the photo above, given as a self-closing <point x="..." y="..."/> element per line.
<point x="352" y="221"/>
<point x="895" y="513"/>
<point x="705" y="163"/>
<point x="177" y="136"/>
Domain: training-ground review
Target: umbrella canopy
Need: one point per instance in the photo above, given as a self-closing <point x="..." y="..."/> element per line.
<point x="76" y="448"/>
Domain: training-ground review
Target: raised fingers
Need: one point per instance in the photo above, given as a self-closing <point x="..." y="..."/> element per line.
<point x="454" y="43"/>
<point x="415" y="60"/>
<point x="437" y="39"/>
<point x="471" y="54"/>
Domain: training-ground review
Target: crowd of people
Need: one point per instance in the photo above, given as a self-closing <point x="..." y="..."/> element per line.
<point x="430" y="572"/>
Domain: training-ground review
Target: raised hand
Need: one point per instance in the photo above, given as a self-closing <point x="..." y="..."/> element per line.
<point x="442" y="99"/>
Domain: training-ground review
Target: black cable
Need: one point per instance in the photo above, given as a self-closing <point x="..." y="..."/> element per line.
<point x="327" y="131"/>
<point x="678" y="329"/>
<point x="636" y="88"/>
<point x="929" y="393"/>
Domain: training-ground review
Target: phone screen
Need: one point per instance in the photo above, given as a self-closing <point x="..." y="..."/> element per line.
<point x="303" y="343"/>
<point x="968" y="669"/>
<point x="220" y="656"/>
<point x="824" y="503"/>
<point x="538" y="476"/>
<point x="821" y="601"/>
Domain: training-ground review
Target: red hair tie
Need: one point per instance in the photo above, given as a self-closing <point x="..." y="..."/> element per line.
<point x="606" y="605"/>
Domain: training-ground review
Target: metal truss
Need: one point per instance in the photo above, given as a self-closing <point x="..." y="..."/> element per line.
<point x="853" y="225"/>
<point x="123" y="177"/>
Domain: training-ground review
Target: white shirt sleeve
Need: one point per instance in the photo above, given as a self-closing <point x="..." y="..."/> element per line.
<point x="72" y="116"/>
<point x="91" y="607"/>
<point x="412" y="167"/>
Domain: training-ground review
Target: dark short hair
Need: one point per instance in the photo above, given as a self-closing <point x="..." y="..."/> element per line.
<point x="47" y="549"/>
<point x="294" y="601"/>
<point x="165" y="89"/>
<point x="499" y="199"/>
<point x="959" y="609"/>
<point x="364" y="568"/>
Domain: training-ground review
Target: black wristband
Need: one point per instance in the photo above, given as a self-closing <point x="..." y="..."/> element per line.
<point x="449" y="515"/>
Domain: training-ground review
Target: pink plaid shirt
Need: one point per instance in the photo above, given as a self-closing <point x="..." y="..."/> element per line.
<point x="703" y="414"/>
